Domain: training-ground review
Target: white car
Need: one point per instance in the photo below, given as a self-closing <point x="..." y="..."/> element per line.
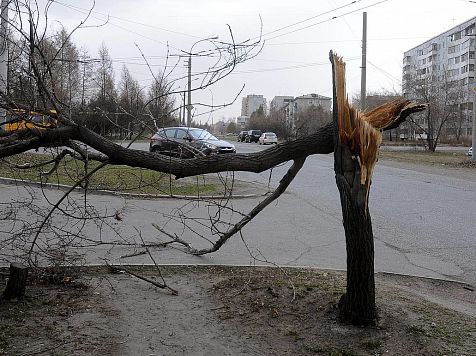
<point x="470" y="152"/>
<point x="268" y="137"/>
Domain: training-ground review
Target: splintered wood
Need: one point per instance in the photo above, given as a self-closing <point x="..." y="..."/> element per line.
<point x="361" y="131"/>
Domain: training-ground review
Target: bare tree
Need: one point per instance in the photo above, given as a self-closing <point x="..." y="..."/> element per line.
<point x="442" y="94"/>
<point x="160" y="103"/>
<point x="310" y="120"/>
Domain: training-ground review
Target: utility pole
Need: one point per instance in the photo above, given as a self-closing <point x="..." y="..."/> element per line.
<point x="184" y="115"/>
<point x="363" y="77"/>
<point x="473" y="157"/>
<point x="3" y="55"/>
<point x="189" y="106"/>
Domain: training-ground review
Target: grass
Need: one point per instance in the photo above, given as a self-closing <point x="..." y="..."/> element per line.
<point x="115" y="178"/>
<point x="427" y="158"/>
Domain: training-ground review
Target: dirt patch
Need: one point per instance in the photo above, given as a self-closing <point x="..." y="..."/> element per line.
<point x="234" y="311"/>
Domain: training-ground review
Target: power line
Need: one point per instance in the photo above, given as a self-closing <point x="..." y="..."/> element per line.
<point x="118" y="26"/>
<point x="344" y="41"/>
<point x="328" y="20"/>
<point x="387" y="74"/>
<point x="83" y="10"/>
<point x="310" y="18"/>
<point x="316" y="64"/>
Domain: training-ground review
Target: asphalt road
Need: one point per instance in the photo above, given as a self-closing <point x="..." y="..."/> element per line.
<point x="423" y="222"/>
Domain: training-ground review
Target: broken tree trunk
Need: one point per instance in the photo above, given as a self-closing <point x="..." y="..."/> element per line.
<point x="16" y="281"/>
<point x="357" y="138"/>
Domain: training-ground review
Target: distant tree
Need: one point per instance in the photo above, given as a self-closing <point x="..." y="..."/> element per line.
<point x="442" y="96"/>
<point x="65" y="70"/>
<point x="375" y="99"/>
<point x="231" y="128"/>
<point x="160" y="103"/>
<point x="310" y="120"/>
<point x="21" y="87"/>
<point x="104" y="103"/>
<point x="271" y="123"/>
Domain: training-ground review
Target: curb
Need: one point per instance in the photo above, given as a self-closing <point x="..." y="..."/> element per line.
<point x="64" y="187"/>
<point x="95" y="265"/>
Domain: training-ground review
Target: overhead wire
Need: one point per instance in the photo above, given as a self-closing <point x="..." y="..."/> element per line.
<point x="306" y="65"/>
<point x="83" y="10"/>
<point x="118" y="26"/>
<point x="350" y="40"/>
<point x="310" y="18"/>
<point x="328" y="20"/>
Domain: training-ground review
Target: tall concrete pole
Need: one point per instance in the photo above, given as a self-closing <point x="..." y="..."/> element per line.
<point x="474" y="99"/>
<point x="3" y="54"/>
<point x="363" y="78"/>
<point x="189" y="104"/>
<point x="184" y="115"/>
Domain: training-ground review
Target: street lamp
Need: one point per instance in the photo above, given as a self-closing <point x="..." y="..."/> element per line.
<point x="189" y="104"/>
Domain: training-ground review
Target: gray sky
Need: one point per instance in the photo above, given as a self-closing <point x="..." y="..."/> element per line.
<point x="294" y="61"/>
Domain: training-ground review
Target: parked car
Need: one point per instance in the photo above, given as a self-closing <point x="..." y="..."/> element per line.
<point x="268" y="137"/>
<point x="183" y="141"/>
<point x="253" y="136"/>
<point x="242" y="135"/>
<point x="470" y="152"/>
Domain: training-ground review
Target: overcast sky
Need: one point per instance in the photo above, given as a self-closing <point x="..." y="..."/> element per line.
<point x="294" y="60"/>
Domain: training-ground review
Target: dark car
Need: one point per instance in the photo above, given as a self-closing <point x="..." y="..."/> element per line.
<point x="253" y="136"/>
<point x="186" y="142"/>
<point x="242" y="136"/>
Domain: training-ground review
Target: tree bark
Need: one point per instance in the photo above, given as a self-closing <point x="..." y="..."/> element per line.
<point x="357" y="138"/>
<point x="16" y="282"/>
<point x="357" y="305"/>
<point x="353" y="173"/>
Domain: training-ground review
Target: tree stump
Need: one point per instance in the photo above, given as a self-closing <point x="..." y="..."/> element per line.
<point x="16" y="282"/>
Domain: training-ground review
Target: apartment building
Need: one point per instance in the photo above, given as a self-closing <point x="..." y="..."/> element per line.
<point x="279" y="102"/>
<point x="242" y="122"/>
<point x="302" y="103"/>
<point x="252" y="103"/>
<point x="445" y="62"/>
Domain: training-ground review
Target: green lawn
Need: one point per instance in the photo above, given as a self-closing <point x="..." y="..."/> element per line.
<point x="116" y="178"/>
<point x="428" y="158"/>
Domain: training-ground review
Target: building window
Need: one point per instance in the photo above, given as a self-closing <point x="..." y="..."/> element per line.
<point x="453" y="72"/>
<point x="453" y="49"/>
<point x="469" y="30"/>
<point x="420" y="52"/>
<point x="464" y="57"/>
